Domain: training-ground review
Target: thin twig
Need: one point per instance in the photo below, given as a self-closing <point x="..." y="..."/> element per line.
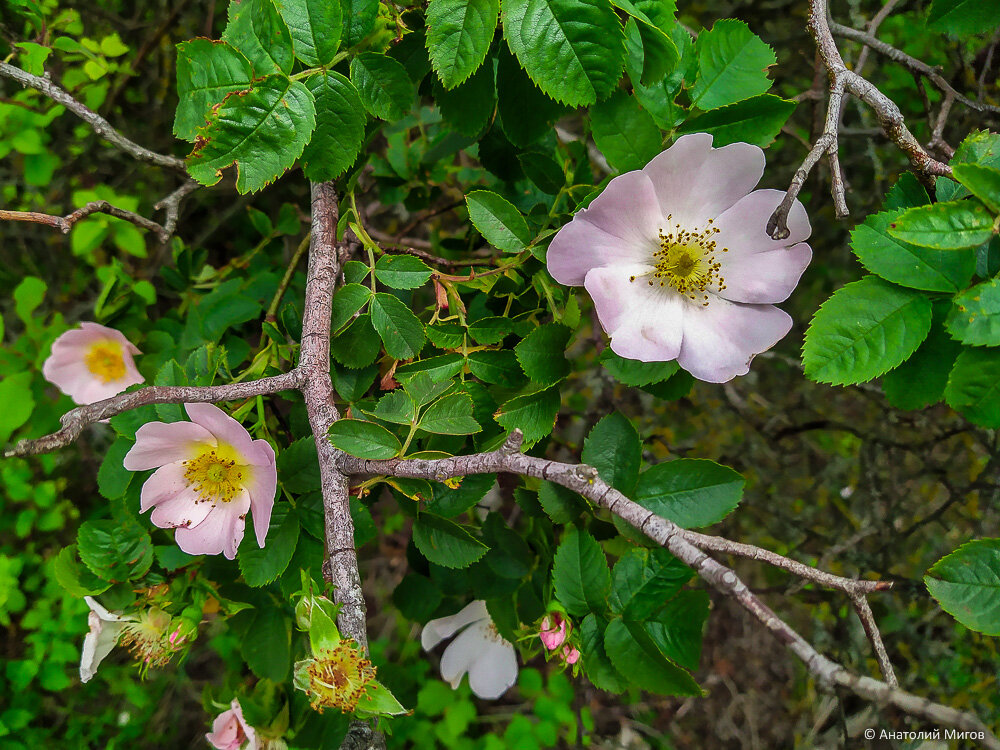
<point x="873" y="25"/>
<point x="65" y="223"/>
<point x="272" y="309"/>
<point x="172" y="204"/>
<point x="97" y="123"/>
<point x="864" y="612"/>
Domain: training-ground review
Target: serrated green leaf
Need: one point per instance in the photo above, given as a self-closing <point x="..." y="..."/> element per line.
<point x="383" y="84"/>
<point x="400" y="330"/>
<point x="966" y="584"/>
<point x="469" y="108"/>
<point x="635" y="653"/>
<point x="920" y="381"/>
<point x="613" y="448"/>
<point x="439" y="368"/>
<point x="906" y="193"/>
<point x="364" y="439"/>
<point x="459" y="33"/>
<point x="315" y="27"/>
<point x="596" y="663"/>
<point x="116" y="551"/>
<point x="346" y="302"/>
<point x="573" y="49"/>
<point x="396" y="407"/>
<point x="261" y="565"/>
<point x="359" y="20"/>
<point x="643" y="580"/>
<point x="963" y="17"/>
<point x="865" y="329"/>
<point x="262" y="131"/>
<point x="445" y="335"/>
<point x="948" y="226"/>
<point x="207" y="72"/>
<point x="580" y="574"/>
<point x="113" y="478"/>
<point x="358" y="345"/>
<point x="732" y="65"/>
<point x="534" y="413"/>
<point x="340" y="127"/>
<point x="451" y="415"/>
<point x="490" y="330"/>
<point x="634" y="372"/>
<point x="756" y="120"/>
<point x="446" y="543"/>
<point x="973" y="388"/>
<point x="679" y="630"/>
<point x="498" y="221"/>
<point x="625" y="133"/>
<point x="402" y="271"/>
<point x="424" y="387"/>
<point x="452" y="501"/>
<point x="257" y="30"/>
<point x="691" y="492"/>
<point x="560" y="504"/>
<point x="542" y="353"/>
<point x="982" y="181"/>
<point x="975" y="315"/>
<point x="906" y="264"/>
<point x="526" y="114"/>
<point x="496" y="367"/>
<point x="298" y="466"/>
<point x="74" y="576"/>
<point x="268" y="649"/>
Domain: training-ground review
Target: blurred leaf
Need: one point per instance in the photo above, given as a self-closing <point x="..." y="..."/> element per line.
<point x="963" y="17"/>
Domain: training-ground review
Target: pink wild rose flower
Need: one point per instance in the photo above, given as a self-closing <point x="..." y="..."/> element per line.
<point x="209" y="473"/>
<point x="553" y="631"/>
<point x="92" y="363"/>
<point x="678" y="262"/>
<point x="230" y="731"/>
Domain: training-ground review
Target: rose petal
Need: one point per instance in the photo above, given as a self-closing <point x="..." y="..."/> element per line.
<point x="437" y="630"/>
<point x="110" y="333"/>
<point x="226" y="429"/>
<point x="166" y="483"/>
<point x="221" y="531"/>
<point x="185" y="508"/>
<point x="159" y="443"/>
<point x="261" y="483"/>
<point x="721" y="339"/>
<point x="495" y="671"/>
<point x="766" y="276"/>
<point x="695" y="182"/>
<point x="462" y="652"/>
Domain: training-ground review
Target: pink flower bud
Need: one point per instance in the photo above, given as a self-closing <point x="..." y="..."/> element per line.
<point x="570" y="654"/>
<point x="553" y="632"/>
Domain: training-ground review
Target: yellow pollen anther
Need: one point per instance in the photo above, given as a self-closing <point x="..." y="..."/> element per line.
<point x="686" y="261"/>
<point x="213" y="477"/>
<point x="104" y="359"/>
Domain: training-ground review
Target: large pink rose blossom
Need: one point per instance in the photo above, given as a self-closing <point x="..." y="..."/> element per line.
<point x="230" y="730"/>
<point x="678" y="262"/>
<point x="92" y="363"/>
<point x="209" y="473"/>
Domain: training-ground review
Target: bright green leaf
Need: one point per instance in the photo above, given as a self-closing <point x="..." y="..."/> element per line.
<point x="384" y="85"/>
<point x="402" y="271"/>
<point x="400" y="330"/>
<point x="947" y="226"/>
<point x="364" y="439"/>
<point x="261" y="565"/>
<point x="982" y="181"/>
<point x="498" y="221"/>
<point x="635" y="654"/>
<point x="315" y="27"/>
<point x="966" y="584"/>
<point x="451" y="415"/>
<point x="580" y="574"/>
<point x="975" y="315"/>
<point x="625" y="133"/>
<point x="459" y="33"/>
<point x="613" y="448"/>
<point x="542" y="353"/>
<point x="691" y="492"/>
<point x="340" y="127"/>
<point x="756" y="120"/>
<point x="732" y="65"/>
<point x="207" y="72"/>
<point x="973" y="388"/>
<point x="534" y="414"/>
<point x="445" y="542"/>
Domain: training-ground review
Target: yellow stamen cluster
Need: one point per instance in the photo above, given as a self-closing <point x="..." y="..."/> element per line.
<point x="686" y="261"/>
<point x="104" y="360"/>
<point x="213" y="477"/>
<point x="148" y="639"/>
<point x="339" y="677"/>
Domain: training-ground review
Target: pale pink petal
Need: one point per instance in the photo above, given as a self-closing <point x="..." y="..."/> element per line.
<point x="766" y="276"/>
<point x="742" y="227"/>
<point x="105" y="627"/>
<point x="722" y="338"/>
<point x="621" y="225"/>
<point x="186" y="508"/>
<point x="221" y="531"/>
<point x="159" y="443"/>
<point x="437" y="630"/>
<point x="165" y="484"/>
<point x="643" y="321"/>
<point x="69" y="375"/>
<point x="110" y="333"/>
<point x="226" y="732"/>
<point x="488" y="659"/>
<point x="261" y="482"/>
<point x="226" y="429"/>
<point x="695" y="182"/>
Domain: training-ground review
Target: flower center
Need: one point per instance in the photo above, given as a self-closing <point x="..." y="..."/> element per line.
<point x="338" y="677"/>
<point x="686" y="261"/>
<point x="147" y="639"/>
<point x="214" y="477"/>
<point x="104" y="359"/>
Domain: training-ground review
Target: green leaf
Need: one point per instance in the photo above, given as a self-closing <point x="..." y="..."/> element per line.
<point x="402" y="271"/>
<point x="445" y="543"/>
<point x="973" y="388"/>
<point x="116" y="551"/>
<point x="497" y="367"/>
<point x="596" y="663"/>
<point x="364" y="439"/>
<point x="490" y="330"/>
<point x="262" y="131"/>
<point x="359" y="20"/>
<point x="424" y="388"/>
<point x="498" y="221"/>
<point x="452" y="415"/>
<point x="625" y="133"/>
<point x="384" y="85"/>
<point x="469" y="108"/>
<point x="18" y="401"/>
<point x="865" y="329"/>
<point x="756" y="120"/>
<point x="315" y="27"/>
<point x="452" y="501"/>
<point x="613" y="448"/>
<point x="966" y="584"/>
<point x="732" y="65"/>
<point x="261" y="565"/>
<point x="679" y="630"/>
<point x="975" y="315"/>
<point x="459" y="33"/>
<point x="963" y="17"/>
<point x="982" y="181"/>
<point x="439" y="368"/>
<point x="207" y="72"/>
<point x="634" y="372"/>
<point x="358" y="345"/>
<point x="113" y="478"/>
<point x="691" y="492"/>
<point x="267" y="648"/>
<point x="909" y="265"/>
<point x="560" y="504"/>
<point x="580" y="574"/>
<point x="542" y="353"/>
<point x="906" y="193"/>
<point x="340" y="127"/>
<point x="643" y="580"/>
<point x="635" y="653"/>
<point x="920" y="381"/>
<point x="526" y="114"/>
<point x="400" y="330"/>
<point x="417" y="597"/>
<point x="28" y="295"/>
<point x="396" y="407"/>
<point x="573" y="49"/>
<point x="950" y="225"/>
<point x="257" y="30"/>
<point x="75" y="577"/>
<point x="346" y="302"/>
<point x="534" y="414"/>
<point x="298" y="467"/>
<point x="544" y="171"/>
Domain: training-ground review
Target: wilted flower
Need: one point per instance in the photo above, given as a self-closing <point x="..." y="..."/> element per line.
<point x="570" y="654"/>
<point x="105" y="628"/>
<point x="678" y="262"/>
<point x="230" y="730"/>
<point x="210" y="474"/>
<point x="92" y="363"/>
<point x="336" y="677"/>
<point x="478" y="649"/>
<point x="152" y="637"/>
<point x="553" y="631"/>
